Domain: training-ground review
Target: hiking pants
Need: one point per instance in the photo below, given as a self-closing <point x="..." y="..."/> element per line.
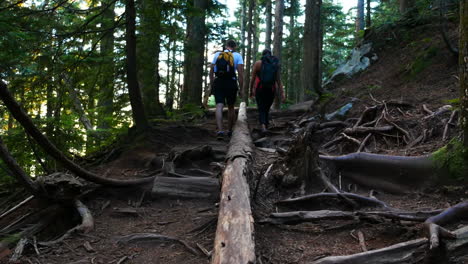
<point x="265" y="98"/>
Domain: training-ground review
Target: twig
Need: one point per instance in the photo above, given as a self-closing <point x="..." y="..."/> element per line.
<point x="452" y="116"/>
<point x="25" y="201"/>
<point x="425" y="109"/>
<point x="363" y="144"/>
<point x="362" y="241"/>
<point x="351" y="139"/>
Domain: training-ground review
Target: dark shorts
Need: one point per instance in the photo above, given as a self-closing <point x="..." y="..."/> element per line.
<point x="225" y="91"/>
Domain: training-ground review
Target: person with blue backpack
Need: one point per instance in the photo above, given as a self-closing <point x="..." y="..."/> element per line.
<point x="265" y="84"/>
<point x="224" y="87"/>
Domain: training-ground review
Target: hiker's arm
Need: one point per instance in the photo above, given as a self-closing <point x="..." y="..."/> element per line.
<point x="279" y="83"/>
<point x="211" y="73"/>
<point x="252" y="80"/>
<point x="240" y="78"/>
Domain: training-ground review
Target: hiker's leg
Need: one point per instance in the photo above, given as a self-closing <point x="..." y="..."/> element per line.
<point x="231" y="116"/>
<point x="269" y="99"/>
<point x="262" y="109"/>
<point x="219" y="116"/>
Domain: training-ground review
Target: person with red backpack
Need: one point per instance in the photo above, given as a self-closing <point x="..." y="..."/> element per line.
<point x="265" y="84"/>
<point x="224" y="86"/>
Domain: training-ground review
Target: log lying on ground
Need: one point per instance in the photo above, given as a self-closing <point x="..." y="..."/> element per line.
<point x="20" y="115"/>
<point x="150" y="237"/>
<point x="234" y="241"/>
<point x="298" y="217"/>
<point x="414" y="251"/>
<point x="186" y="187"/>
<point x="385" y="172"/>
<point x="334" y="197"/>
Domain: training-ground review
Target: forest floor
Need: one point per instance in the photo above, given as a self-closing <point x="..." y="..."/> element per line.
<point x="120" y="212"/>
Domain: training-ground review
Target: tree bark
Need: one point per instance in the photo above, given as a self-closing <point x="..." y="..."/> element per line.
<point x="187" y="187"/>
<point x="360" y="16"/>
<point x="148" y="49"/>
<point x="138" y="110"/>
<point x="248" y="59"/>
<point x="234" y="241"/>
<point x="311" y="58"/>
<point x="463" y="65"/>
<point x="244" y="11"/>
<point x="406" y="5"/>
<point x="106" y="94"/>
<point x="368" y="14"/>
<point x="194" y="51"/>
<point x="278" y="41"/>
<point x="268" y="24"/>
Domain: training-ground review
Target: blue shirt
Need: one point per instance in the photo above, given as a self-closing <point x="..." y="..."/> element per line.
<point x="237" y="59"/>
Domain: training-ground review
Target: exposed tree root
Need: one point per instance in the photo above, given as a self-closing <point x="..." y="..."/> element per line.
<point x="186" y="187"/>
<point x="414" y="251"/>
<point x="20" y="115"/>
<point x="150" y="237"/>
<point x="87" y="224"/>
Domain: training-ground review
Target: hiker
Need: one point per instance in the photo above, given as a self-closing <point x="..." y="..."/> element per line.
<point x="224" y="86"/>
<point x="264" y="85"/>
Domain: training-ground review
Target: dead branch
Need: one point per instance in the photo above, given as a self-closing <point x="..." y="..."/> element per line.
<point x="446" y="128"/>
<point x="362" y="241"/>
<point x="16" y="207"/>
<point x="151" y="237"/>
<point x="364" y="113"/>
<point x="414" y="251"/>
<point x="319" y="197"/>
<point x="351" y="139"/>
<point x="362" y="130"/>
<point x="427" y="110"/>
<point x="363" y="143"/>
<point x="442" y="110"/>
<point x="294" y="218"/>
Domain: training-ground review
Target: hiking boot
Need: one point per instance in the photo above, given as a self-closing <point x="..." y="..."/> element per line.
<point x="220" y="135"/>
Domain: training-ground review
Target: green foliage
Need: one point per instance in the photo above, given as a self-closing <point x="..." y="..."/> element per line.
<point x="422" y="61"/>
<point x="453" y="158"/>
<point x="373" y="87"/>
<point x="455" y="101"/>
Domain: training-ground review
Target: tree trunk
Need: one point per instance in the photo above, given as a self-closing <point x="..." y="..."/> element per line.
<point x="148" y="50"/>
<point x="292" y="54"/>
<point x="360" y="16"/>
<point x="406" y="5"/>
<point x="463" y="64"/>
<point x="138" y="110"/>
<point x="243" y="26"/>
<point x="248" y="59"/>
<point x="174" y="69"/>
<point x="77" y="105"/>
<point x="194" y="51"/>
<point x="368" y="14"/>
<point x="278" y="41"/>
<point x="311" y="58"/>
<point x="255" y="36"/>
<point x="106" y="87"/>
<point x="268" y="25"/>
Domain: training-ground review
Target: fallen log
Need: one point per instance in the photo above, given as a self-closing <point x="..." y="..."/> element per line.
<point x="234" y="241"/>
<point x="187" y="187"/>
<point x="321" y="197"/>
<point x="395" y="173"/>
<point x="293" y="218"/>
<point x="150" y="237"/>
<point x="414" y="251"/>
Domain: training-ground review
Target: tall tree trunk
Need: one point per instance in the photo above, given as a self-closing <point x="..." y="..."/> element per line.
<point x="405" y="6"/>
<point x="194" y="51"/>
<point x="463" y="63"/>
<point x="278" y="41"/>
<point x="292" y="54"/>
<point x="148" y="49"/>
<point x="106" y="91"/>
<point x="248" y="60"/>
<point x="244" y="11"/>
<point x="138" y="110"/>
<point x="206" y="85"/>
<point x="174" y="69"/>
<point x="368" y="14"/>
<point x="268" y="24"/>
<point x="311" y="58"/>
<point x="360" y="16"/>
<point x="256" y="20"/>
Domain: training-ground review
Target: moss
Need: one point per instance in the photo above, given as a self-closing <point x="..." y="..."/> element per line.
<point x="422" y="61"/>
<point x="11" y="239"/>
<point x="453" y="158"/>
